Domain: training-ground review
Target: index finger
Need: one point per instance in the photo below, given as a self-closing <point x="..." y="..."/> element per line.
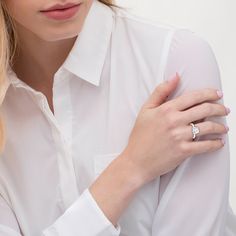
<point x="195" y="97"/>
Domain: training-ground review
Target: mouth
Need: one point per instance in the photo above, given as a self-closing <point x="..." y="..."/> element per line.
<point x="60" y="7"/>
<point x="61" y="12"/>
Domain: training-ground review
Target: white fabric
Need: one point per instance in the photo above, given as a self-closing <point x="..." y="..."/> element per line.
<point x="50" y="160"/>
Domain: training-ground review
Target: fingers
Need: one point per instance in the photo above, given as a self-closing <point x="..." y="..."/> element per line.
<point x="202" y="111"/>
<point x="161" y="92"/>
<point x="199" y="147"/>
<point x="192" y="98"/>
<point x="207" y="127"/>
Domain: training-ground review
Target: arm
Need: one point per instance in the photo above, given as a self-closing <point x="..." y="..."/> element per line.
<point x="193" y="199"/>
<point x="123" y="177"/>
<point x="73" y="222"/>
<point x="75" y="219"/>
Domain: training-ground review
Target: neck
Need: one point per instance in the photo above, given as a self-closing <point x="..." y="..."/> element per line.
<point x="37" y="60"/>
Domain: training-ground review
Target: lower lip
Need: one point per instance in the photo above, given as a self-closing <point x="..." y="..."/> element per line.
<point x="62" y="14"/>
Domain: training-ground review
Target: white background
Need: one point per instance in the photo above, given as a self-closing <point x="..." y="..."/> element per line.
<point x="215" y="20"/>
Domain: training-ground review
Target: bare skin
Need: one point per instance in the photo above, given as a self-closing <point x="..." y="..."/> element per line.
<point x="43" y="44"/>
<point x="142" y="160"/>
<point x="44" y="47"/>
<point x="38" y="71"/>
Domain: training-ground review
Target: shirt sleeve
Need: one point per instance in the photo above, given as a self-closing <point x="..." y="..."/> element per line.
<point x="84" y="217"/>
<point x="8" y="223"/>
<point x="193" y="198"/>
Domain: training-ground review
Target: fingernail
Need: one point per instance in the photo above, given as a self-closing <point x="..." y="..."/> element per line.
<point x="227" y="128"/>
<point x="172" y="79"/>
<point x="228" y="110"/>
<point x="220" y="94"/>
<point x="223" y="141"/>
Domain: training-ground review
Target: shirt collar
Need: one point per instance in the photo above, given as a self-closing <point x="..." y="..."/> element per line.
<point x="87" y="56"/>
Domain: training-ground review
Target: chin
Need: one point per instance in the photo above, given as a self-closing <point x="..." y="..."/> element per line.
<point x="54" y="38"/>
<point x="52" y="35"/>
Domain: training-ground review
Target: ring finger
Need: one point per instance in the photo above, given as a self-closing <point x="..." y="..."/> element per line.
<point x="206" y="127"/>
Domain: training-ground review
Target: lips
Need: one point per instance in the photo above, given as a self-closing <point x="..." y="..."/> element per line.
<point x="61" y="12"/>
<point x="60" y="7"/>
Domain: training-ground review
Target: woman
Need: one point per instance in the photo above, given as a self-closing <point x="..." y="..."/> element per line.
<point x="98" y="140"/>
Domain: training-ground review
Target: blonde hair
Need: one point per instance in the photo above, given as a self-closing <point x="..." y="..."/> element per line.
<point x="7" y="51"/>
<point x="108" y="2"/>
<point x="8" y="47"/>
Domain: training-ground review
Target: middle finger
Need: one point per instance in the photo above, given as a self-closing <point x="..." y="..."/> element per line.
<point x="204" y="110"/>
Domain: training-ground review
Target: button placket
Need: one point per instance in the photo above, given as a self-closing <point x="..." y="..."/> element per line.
<point x="63" y="138"/>
<point x="61" y="129"/>
<point x="67" y="180"/>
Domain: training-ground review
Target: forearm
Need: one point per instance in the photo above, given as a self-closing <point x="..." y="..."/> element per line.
<point x="115" y="187"/>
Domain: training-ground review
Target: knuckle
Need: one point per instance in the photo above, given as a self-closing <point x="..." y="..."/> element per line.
<point x="209" y="93"/>
<point x="221" y="128"/>
<point x="221" y="110"/>
<point x="217" y="144"/>
<point x="166" y="108"/>
<point x="214" y="145"/>
<point x="171" y="122"/>
<point x="175" y="135"/>
<point x="184" y="149"/>
<point x="178" y="118"/>
<point x="208" y="108"/>
<point x="197" y="94"/>
<point x="208" y="126"/>
<point x="210" y="146"/>
<point x="212" y="127"/>
<point x="189" y="95"/>
<point x="205" y="93"/>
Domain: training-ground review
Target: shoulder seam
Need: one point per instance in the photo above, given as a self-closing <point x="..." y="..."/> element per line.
<point x="131" y="16"/>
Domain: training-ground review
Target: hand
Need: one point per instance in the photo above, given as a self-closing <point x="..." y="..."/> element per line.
<point x="161" y="138"/>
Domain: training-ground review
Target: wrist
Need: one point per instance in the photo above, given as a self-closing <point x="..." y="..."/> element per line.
<point x="131" y="172"/>
<point x="115" y="187"/>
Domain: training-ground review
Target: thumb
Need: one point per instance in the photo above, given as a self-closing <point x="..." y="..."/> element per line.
<point x="161" y="92"/>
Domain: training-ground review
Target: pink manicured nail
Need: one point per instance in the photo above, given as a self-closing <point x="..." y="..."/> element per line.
<point x="220" y="94"/>
<point x="228" y="110"/>
<point x="172" y="79"/>
<point x="223" y="141"/>
<point x="227" y="128"/>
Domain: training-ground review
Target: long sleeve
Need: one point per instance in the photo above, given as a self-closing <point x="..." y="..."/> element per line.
<point x="193" y="198"/>
<point x="84" y="217"/>
<point x="8" y="223"/>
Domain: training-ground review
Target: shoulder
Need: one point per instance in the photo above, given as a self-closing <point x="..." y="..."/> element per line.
<point x="192" y="56"/>
<point x="189" y="50"/>
<point x="153" y="29"/>
<point x="188" y="43"/>
<point x="163" y="49"/>
<point x="153" y="34"/>
<point x="139" y="25"/>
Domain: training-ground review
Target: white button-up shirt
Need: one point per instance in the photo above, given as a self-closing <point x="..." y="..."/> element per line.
<point x="50" y="160"/>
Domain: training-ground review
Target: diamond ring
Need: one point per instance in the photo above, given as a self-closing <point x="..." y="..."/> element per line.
<point x="195" y="131"/>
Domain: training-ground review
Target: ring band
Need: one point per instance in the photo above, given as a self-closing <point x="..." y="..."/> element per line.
<point x="195" y="131"/>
